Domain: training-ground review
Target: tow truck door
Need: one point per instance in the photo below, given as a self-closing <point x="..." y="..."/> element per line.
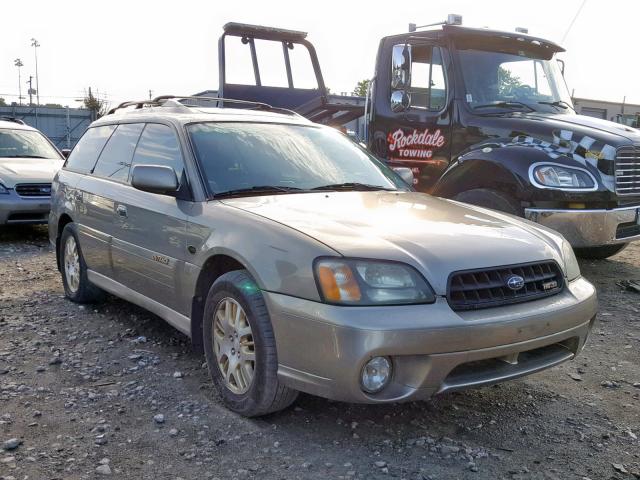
<point x="411" y="116"/>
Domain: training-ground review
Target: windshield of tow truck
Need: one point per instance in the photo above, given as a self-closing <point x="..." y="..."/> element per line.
<point x="517" y="81"/>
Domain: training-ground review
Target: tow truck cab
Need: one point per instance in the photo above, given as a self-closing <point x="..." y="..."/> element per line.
<point x="483" y="117"/>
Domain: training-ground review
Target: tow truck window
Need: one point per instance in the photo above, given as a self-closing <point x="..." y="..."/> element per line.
<point x="518" y="80"/>
<point x="428" y="86"/>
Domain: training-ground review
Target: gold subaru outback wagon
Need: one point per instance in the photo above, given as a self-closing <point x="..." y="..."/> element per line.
<point x="296" y="261"/>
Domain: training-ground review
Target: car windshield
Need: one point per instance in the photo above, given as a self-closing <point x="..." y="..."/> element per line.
<point x="254" y="158"/>
<point x="518" y="81"/>
<point x="25" y="144"/>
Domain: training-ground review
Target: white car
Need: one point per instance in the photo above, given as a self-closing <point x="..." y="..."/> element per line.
<point x="28" y="162"/>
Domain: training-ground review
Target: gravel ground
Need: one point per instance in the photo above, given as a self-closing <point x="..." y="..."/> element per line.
<point x="110" y="391"/>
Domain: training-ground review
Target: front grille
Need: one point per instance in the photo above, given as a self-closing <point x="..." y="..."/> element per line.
<point x="628" y="170"/>
<point x="34" y="189"/>
<point x="484" y="288"/>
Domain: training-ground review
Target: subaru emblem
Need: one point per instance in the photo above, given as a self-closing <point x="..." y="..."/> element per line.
<point x="515" y="282"/>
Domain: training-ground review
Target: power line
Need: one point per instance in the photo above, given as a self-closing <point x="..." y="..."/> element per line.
<point x="564" y="37"/>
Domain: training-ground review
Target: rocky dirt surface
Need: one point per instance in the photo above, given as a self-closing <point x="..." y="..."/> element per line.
<point x="110" y="391"/>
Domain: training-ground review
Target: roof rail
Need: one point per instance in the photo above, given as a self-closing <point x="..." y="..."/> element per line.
<point x="159" y="101"/>
<point x="12" y="119"/>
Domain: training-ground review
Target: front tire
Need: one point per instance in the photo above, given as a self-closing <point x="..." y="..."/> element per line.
<point x="77" y="286"/>
<point x="240" y="347"/>
<point x="600" y="253"/>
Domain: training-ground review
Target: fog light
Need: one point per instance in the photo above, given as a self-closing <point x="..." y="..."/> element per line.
<point x="376" y="374"/>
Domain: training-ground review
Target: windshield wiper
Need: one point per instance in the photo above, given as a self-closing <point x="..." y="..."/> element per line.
<point x="259" y="190"/>
<point x="352" y="186"/>
<point x="559" y="103"/>
<point x="22" y="156"/>
<point x="510" y="104"/>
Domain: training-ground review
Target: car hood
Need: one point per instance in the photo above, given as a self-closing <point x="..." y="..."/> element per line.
<point x="28" y="170"/>
<point x="434" y="235"/>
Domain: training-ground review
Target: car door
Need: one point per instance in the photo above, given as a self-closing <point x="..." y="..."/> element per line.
<point x="149" y="247"/>
<point x="92" y="214"/>
<point x="101" y="188"/>
<point x="412" y="121"/>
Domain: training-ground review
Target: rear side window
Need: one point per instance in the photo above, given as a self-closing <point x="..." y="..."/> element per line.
<point x="84" y="155"/>
<point x="115" y="159"/>
<point x="159" y="145"/>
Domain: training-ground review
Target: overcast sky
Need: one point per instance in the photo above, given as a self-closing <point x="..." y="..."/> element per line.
<point x="124" y="48"/>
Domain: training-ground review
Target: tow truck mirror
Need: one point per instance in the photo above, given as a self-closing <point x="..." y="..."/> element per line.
<point x="405" y="174"/>
<point x="561" y="62"/>
<point x="401" y="67"/>
<point x="400" y="101"/>
<point x="65" y="152"/>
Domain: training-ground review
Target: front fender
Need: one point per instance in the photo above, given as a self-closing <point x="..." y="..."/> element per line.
<point x="504" y="167"/>
<point x="278" y="257"/>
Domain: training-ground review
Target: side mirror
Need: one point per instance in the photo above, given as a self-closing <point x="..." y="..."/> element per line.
<point x="401" y="67"/>
<point x="400" y="101"/>
<point x="561" y="62"/>
<point x="405" y="174"/>
<point x="154" y="179"/>
<point x="65" y="152"/>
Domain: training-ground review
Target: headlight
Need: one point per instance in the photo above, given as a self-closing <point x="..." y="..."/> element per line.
<point x="551" y="175"/>
<point x="571" y="267"/>
<point x="370" y="282"/>
<point x="3" y="189"/>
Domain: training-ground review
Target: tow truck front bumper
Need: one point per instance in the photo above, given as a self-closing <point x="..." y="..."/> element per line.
<point x="590" y="228"/>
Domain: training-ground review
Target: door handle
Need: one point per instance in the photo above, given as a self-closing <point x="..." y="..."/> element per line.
<point x="121" y="210"/>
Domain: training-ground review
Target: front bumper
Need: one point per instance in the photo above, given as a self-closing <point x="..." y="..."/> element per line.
<point x="322" y="348"/>
<point x="590" y="228"/>
<point x="15" y="209"/>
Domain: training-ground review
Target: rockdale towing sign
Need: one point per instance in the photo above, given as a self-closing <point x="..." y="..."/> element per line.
<point x="414" y="146"/>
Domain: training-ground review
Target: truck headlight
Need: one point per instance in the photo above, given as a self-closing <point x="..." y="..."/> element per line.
<point x="571" y="267"/>
<point x="552" y="175"/>
<point x="3" y="190"/>
<point x="370" y="282"/>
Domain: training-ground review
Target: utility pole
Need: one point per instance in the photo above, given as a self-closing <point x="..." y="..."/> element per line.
<point x="30" y="90"/>
<point x="68" y="129"/>
<point x="18" y="63"/>
<point x="35" y="45"/>
<point x="150" y="94"/>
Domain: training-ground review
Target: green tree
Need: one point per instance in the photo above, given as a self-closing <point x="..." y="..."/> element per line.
<point x="361" y="88"/>
<point x="52" y="105"/>
<point x="96" y="105"/>
<point x="507" y="81"/>
<point x="3" y="103"/>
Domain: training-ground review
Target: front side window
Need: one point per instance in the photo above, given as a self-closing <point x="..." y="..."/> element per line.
<point x="427" y="87"/>
<point x="84" y="155"/>
<point x="25" y="144"/>
<point x="115" y="160"/>
<point x="518" y="80"/>
<point x="158" y="145"/>
<point x="242" y="156"/>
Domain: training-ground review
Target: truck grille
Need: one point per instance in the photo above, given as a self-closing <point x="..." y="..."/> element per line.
<point x="628" y="170"/>
<point x="34" y="189"/>
<point x="484" y="288"/>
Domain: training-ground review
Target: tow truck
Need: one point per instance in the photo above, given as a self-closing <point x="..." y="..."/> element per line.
<point x="478" y="115"/>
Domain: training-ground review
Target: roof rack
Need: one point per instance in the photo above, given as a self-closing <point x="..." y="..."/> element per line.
<point x="12" y="119"/>
<point x="162" y="99"/>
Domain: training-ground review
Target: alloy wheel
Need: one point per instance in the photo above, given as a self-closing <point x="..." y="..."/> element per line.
<point x="233" y="345"/>
<point x="72" y="264"/>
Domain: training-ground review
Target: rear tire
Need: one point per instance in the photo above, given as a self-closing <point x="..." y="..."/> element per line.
<point x="600" y="253"/>
<point x="240" y="347"/>
<point x="77" y="286"/>
<point x="491" y="199"/>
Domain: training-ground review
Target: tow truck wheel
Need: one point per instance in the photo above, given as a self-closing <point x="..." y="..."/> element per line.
<point x="600" y="253"/>
<point x="491" y="199"/>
